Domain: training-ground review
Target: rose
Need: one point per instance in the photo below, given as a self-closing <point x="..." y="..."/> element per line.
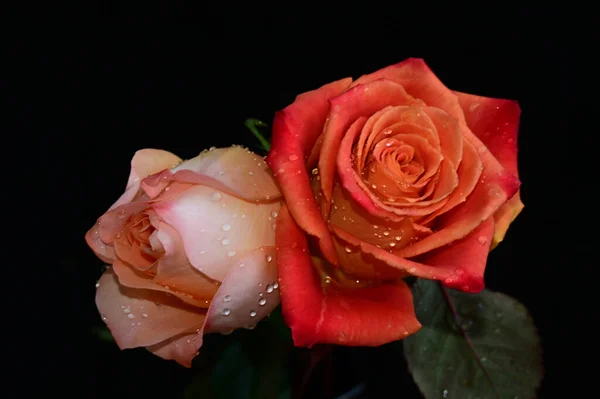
<point x="388" y="176"/>
<point x="191" y="248"/>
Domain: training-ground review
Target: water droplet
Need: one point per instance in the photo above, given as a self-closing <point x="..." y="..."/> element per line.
<point x="482" y="240"/>
<point x="392" y="244"/>
<point x="494" y="192"/>
<point x="226" y="227"/>
<point x="412" y="270"/>
<point x="466" y="324"/>
<point x="144" y="315"/>
<point x="227" y="298"/>
<point x="375" y="226"/>
<point x="262" y="301"/>
<point x="251" y="173"/>
<point x="242" y="264"/>
<point x="225" y="241"/>
<point x="373" y="186"/>
<point x="274" y="214"/>
<point x="348" y="250"/>
<point x="215" y="196"/>
<point x="269" y="288"/>
<point x="269" y="258"/>
<point x="327" y="280"/>
<point x="130" y="316"/>
<point x="473" y="107"/>
<point x="97" y="284"/>
<point x="275" y="285"/>
<point x="252" y="313"/>
<point x="398" y="238"/>
<point x="230" y="253"/>
<point x="226" y="312"/>
<point x="386" y="233"/>
<point x="293" y="157"/>
<point x="445" y="393"/>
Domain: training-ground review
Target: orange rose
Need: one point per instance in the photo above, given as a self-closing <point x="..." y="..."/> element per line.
<point x="192" y="249"/>
<point x="388" y="176"/>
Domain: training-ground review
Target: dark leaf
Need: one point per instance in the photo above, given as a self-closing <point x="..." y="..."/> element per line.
<point x="473" y="345"/>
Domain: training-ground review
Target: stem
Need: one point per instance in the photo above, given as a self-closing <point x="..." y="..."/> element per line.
<point x="253" y="124"/>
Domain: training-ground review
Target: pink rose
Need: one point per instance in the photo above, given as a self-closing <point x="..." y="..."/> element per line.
<point x="192" y="249"/>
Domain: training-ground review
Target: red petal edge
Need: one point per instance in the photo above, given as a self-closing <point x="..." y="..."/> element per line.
<point x="347" y="316"/>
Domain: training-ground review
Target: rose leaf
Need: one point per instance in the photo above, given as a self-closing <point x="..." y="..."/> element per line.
<point x="473" y="345"/>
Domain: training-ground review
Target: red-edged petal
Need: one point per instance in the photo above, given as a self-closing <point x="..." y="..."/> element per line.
<point x="496" y="185"/>
<point x="349" y="316"/>
<point x="459" y="265"/>
<point x="362" y="100"/>
<point x="496" y="123"/>
<point x="467" y="257"/>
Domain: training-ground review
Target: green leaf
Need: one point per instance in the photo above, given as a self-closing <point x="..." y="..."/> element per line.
<point x="245" y="364"/>
<point x="472" y="345"/>
<point x="253" y="125"/>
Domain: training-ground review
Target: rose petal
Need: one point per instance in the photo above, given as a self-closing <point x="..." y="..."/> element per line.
<point x="132" y="278"/>
<point x="248" y="294"/>
<point x="181" y="348"/>
<point x="105" y="252"/>
<point x="349" y="316"/>
<point x="459" y="265"/>
<point x="215" y="227"/>
<point x="505" y="216"/>
<point x="295" y="131"/>
<point x="489" y="194"/>
<point x="496" y="123"/>
<point x="468" y="176"/>
<point x="345" y="109"/>
<point x="140" y="317"/>
<point x="244" y="173"/>
<point x="449" y="133"/>
<point x="175" y="271"/>
<point x="467" y="257"/>
<point x="144" y="163"/>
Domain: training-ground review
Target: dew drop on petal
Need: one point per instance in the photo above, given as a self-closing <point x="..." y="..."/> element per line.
<point x="226" y="227"/>
<point x="269" y="288"/>
<point x="227" y="298"/>
<point x="348" y="250"/>
<point x="226" y="312"/>
<point x="269" y="258"/>
<point x="230" y="253"/>
<point x="327" y="280"/>
<point x="275" y="286"/>
<point x="252" y="313"/>
<point x="293" y="157"/>
<point x="262" y="301"/>
<point x="130" y="316"/>
<point x="215" y="196"/>
<point x="144" y="315"/>
<point x="482" y="239"/>
<point x="225" y="241"/>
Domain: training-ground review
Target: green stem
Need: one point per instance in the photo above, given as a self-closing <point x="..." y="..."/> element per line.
<point x="253" y="124"/>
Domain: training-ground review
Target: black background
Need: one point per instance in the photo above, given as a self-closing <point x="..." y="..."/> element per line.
<point x="81" y="99"/>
